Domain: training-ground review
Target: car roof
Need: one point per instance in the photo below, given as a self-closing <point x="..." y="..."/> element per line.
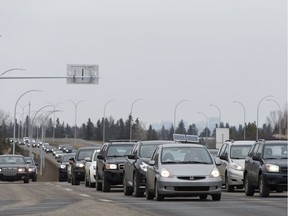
<point x="240" y="142"/>
<point x="183" y="145"/>
<point x="274" y="142"/>
<point x="120" y="143"/>
<point x="148" y="142"/>
<point x="89" y="147"/>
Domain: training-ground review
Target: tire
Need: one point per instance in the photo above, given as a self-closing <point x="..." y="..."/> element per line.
<point x="159" y="197"/>
<point x="98" y="183"/>
<point x="203" y="196"/>
<point x="136" y="190"/>
<point x="74" y="180"/>
<point x="216" y="197"/>
<point x="106" y="187"/>
<point x="264" y="190"/>
<point x="34" y="178"/>
<point x="248" y="188"/>
<point x="26" y="180"/>
<point x="228" y="187"/>
<point x="128" y="191"/>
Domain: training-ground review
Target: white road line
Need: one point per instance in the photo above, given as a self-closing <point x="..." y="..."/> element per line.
<point x="105" y="200"/>
<point x="84" y="195"/>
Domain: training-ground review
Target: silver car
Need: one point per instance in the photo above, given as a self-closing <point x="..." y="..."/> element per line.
<point x="183" y="170"/>
<point x="232" y="154"/>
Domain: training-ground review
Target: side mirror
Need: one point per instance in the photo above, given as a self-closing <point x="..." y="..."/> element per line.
<point x="131" y="156"/>
<point x="100" y="157"/>
<point x="218" y="162"/>
<point x="256" y="157"/>
<point x="152" y="163"/>
<point x="87" y="159"/>
<point x="224" y="157"/>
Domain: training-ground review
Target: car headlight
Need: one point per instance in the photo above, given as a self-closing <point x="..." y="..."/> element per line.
<point x="215" y="173"/>
<point x="165" y="173"/>
<point x="0" y="170"/>
<point x="111" y="166"/>
<point x="236" y="166"/>
<point x="31" y="169"/>
<point x="79" y="165"/>
<point x="272" y="168"/>
<point x="62" y="166"/>
<point x="21" y="170"/>
<point x="143" y="166"/>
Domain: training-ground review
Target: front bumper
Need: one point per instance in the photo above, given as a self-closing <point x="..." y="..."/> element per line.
<point x="275" y="180"/>
<point x="175" y="187"/>
<point x="114" y="177"/>
<point x="235" y="177"/>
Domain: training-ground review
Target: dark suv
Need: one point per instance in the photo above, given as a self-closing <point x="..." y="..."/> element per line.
<point x="110" y="163"/>
<point x="266" y="167"/>
<point x="77" y="165"/>
<point x="135" y="166"/>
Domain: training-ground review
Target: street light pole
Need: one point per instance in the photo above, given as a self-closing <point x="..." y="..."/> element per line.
<point x="104" y="119"/>
<point x="219" y="113"/>
<point x="131" y="117"/>
<point x="280" y="113"/>
<point x="75" y="105"/>
<point x="244" y="117"/>
<point x="258" y="113"/>
<point x="175" y="113"/>
<point x="14" y="129"/>
<point x="12" y="69"/>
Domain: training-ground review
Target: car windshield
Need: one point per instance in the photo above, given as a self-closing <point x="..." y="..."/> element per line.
<point x="275" y="151"/>
<point x="146" y="151"/>
<point x="66" y="158"/>
<point x="185" y="155"/>
<point x="29" y="160"/>
<point x="85" y="153"/>
<point x="12" y="160"/>
<point x="119" y="150"/>
<point x="239" y="151"/>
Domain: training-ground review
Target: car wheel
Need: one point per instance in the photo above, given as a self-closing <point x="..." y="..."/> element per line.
<point x="106" y="187"/>
<point x="74" y="180"/>
<point x="34" y="179"/>
<point x="149" y="195"/>
<point x="136" y="189"/>
<point x="159" y="197"/>
<point x="98" y="183"/>
<point x="249" y="190"/>
<point x="203" y="196"/>
<point x="26" y="180"/>
<point x="229" y="188"/>
<point x="216" y="197"/>
<point x="86" y="181"/>
<point x="264" y="190"/>
<point x="127" y="190"/>
<point x="69" y="179"/>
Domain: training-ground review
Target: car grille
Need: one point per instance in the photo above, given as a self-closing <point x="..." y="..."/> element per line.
<point x="284" y="170"/>
<point x="9" y="171"/>
<point x="191" y="178"/>
<point x="191" y="188"/>
<point x="121" y="166"/>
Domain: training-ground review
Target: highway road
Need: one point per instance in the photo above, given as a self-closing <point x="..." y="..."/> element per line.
<point x="61" y="198"/>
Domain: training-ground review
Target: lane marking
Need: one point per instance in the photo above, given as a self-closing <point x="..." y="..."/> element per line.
<point x="84" y="195"/>
<point x="105" y="200"/>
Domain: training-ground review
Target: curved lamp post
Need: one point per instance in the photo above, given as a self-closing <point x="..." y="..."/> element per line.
<point x="219" y="113"/>
<point x="75" y="105"/>
<point x="244" y="117"/>
<point x="14" y="129"/>
<point x="131" y="116"/>
<point x="280" y="113"/>
<point x="258" y="113"/>
<point x="175" y="113"/>
<point x="12" y="69"/>
<point x="104" y="118"/>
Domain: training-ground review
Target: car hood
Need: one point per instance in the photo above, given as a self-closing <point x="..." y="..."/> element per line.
<point x="13" y="165"/>
<point x="116" y="159"/>
<point x="279" y="162"/>
<point x="190" y="169"/>
<point x="241" y="162"/>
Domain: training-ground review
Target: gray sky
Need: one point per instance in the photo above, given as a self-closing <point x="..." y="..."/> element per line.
<point x="164" y="51"/>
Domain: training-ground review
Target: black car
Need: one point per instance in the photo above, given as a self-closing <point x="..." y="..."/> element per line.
<point x="77" y="165"/>
<point x="14" y="168"/>
<point x="64" y="161"/>
<point x="135" y="166"/>
<point x="110" y="164"/>
<point x="266" y="167"/>
<point x="32" y="168"/>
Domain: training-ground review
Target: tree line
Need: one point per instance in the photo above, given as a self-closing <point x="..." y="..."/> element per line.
<point x="121" y="129"/>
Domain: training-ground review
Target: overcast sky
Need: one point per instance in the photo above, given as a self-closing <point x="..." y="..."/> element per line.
<point x="163" y="51"/>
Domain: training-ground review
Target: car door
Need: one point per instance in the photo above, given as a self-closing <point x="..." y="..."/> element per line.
<point x="222" y="167"/>
<point x="101" y="162"/>
<point x="251" y="165"/>
<point x="129" y="164"/>
<point x="152" y="170"/>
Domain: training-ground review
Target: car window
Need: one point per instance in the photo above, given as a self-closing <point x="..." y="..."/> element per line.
<point x="274" y="151"/>
<point x="119" y="150"/>
<point x="239" y="151"/>
<point x="254" y="150"/>
<point x="146" y="151"/>
<point x="85" y="153"/>
<point x="185" y="155"/>
<point x="223" y="149"/>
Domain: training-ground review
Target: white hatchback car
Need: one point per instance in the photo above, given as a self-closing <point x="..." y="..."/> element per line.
<point x="90" y="169"/>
